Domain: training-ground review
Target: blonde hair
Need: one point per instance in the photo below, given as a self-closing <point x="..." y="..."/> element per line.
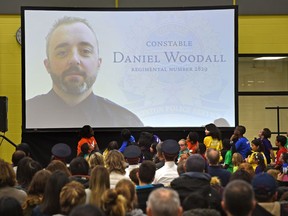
<point x="113" y="203"/>
<point x="237" y="159"/>
<point x="247" y="167"/>
<point x="99" y="182"/>
<point x="115" y="162"/>
<point x="95" y="159"/>
<point x="126" y="188"/>
<point x="71" y="195"/>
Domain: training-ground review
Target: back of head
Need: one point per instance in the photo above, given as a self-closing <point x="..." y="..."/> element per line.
<point x="241" y="129"/>
<point x="86" y="131"/>
<point x="10" y="206"/>
<point x="7" y="174"/>
<point x="170" y="149"/>
<point x="24" y="147"/>
<point x="115" y="162"/>
<point x="213" y="156"/>
<point x="125" y="134"/>
<point x="265" y="187"/>
<point x="17" y="156"/>
<point x="266" y="133"/>
<point x="281" y="139"/>
<point x="27" y="167"/>
<point x="71" y="195"/>
<point x="195" y="163"/>
<point x="238" y="198"/>
<point x="87" y="210"/>
<point x="58" y="165"/>
<point x="147" y="172"/>
<point x="127" y="188"/>
<point x="38" y="183"/>
<point x="164" y="201"/>
<point x="193" y="137"/>
<point x="113" y="203"/>
<point x="202" y="212"/>
<point x="99" y="179"/>
<point x="79" y="166"/>
<point x="95" y="159"/>
<point x="145" y="140"/>
<point x="241" y="174"/>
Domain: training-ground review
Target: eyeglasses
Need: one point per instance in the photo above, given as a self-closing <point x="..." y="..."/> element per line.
<point x="181" y="145"/>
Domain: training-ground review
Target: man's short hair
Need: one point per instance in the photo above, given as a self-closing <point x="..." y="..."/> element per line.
<point x="195" y="163"/>
<point x="163" y="201"/>
<point x="147" y="171"/>
<point x="79" y="166"/>
<point x="238" y="198"/>
<point x="281" y="139"/>
<point x="213" y="156"/>
<point x="241" y="129"/>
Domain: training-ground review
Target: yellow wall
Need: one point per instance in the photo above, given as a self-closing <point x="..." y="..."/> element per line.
<point x="257" y="34"/>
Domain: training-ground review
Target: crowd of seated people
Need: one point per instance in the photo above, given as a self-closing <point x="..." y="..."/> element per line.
<point x="149" y="176"/>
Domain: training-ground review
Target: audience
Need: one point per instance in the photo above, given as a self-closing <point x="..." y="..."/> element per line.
<point x="10" y="206"/>
<point x="58" y="165"/>
<point x="79" y="169"/>
<point x="132" y="154"/>
<point x="87" y="210"/>
<point x="16" y="157"/>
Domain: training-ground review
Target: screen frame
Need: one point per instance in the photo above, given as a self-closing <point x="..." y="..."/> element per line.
<point x="23" y="59"/>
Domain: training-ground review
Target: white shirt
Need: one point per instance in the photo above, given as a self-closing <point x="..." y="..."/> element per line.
<point x="166" y="174"/>
<point x="115" y="178"/>
<point x="130" y="168"/>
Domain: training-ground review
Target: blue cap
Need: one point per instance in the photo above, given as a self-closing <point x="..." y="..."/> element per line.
<point x="132" y="151"/>
<point x="264" y="184"/>
<point x="170" y="146"/>
<point x="61" y="150"/>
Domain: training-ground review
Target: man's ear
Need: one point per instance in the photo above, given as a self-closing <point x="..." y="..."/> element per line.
<point x="180" y="211"/>
<point x="149" y="211"/>
<point x="223" y="206"/>
<point x="47" y="65"/>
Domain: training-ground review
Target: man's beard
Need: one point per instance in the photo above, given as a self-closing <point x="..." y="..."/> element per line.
<point x="73" y="86"/>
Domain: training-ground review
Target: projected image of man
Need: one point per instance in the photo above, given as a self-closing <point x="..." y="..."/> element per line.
<point x="73" y="63"/>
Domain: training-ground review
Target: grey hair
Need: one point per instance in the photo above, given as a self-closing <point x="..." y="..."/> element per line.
<point x="67" y="21"/>
<point x="164" y="201"/>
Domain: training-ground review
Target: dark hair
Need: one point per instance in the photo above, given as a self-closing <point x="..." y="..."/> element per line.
<point x="195" y="200"/>
<point x="147" y="171"/>
<point x="202" y="148"/>
<point x="79" y="166"/>
<point x="86" y="131"/>
<point x="112" y="145"/>
<point x="226" y="144"/>
<point x="27" y="167"/>
<point x="85" y="148"/>
<point x="234" y="192"/>
<point x="133" y="175"/>
<point x="241" y="174"/>
<point x="285" y="157"/>
<point x="87" y="210"/>
<point x="145" y="140"/>
<point x="241" y="129"/>
<point x="281" y="139"/>
<point x="213" y="131"/>
<point x="51" y="197"/>
<point x="193" y="137"/>
<point x="17" y="156"/>
<point x="261" y="162"/>
<point x="24" y="147"/>
<point x="10" y="206"/>
<point x="266" y="133"/>
<point x="125" y="134"/>
<point x="259" y="144"/>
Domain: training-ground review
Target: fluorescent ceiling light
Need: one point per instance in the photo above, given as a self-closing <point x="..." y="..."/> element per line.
<point x="270" y="58"/>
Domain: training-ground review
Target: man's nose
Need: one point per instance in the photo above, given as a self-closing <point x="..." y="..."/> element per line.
<point x="74" y="58"/>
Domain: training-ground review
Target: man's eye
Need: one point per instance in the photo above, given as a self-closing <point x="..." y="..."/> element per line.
<point x="61" y="53"/>
<point x="86" y="51"/>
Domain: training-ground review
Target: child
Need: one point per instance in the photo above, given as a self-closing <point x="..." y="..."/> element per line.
<point x="260" y="162"/>
<point x="257" y="147"/>
<point x="280" y="143"/>
<point x="213" y="137"/>
<point x="264" y="136"/>
<point x="237" y="159"/>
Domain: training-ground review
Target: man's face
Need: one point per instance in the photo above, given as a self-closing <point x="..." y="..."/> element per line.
<point x="182" y="145"/>
<point x="73" y="59"/>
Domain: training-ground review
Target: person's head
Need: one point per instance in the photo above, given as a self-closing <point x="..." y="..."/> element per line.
<point x="273" y="172"/>
<point x="193" y="137"/>
<point x="237" y="159"/>
<point x="247" y="167"/>
<point x="7" y="175"/>
<point x="132" y="154"/>
<point x="10" y="206"/>
<point x="86" y="131"/>
<point x="265" y="133"/>
<point x="71" y="195"/>
<point x="133" y="175"/>
<point x="145" y="140"/>
<point x="38" y="183"/>
<point x="58" y="165"/>
<point x="257" y="145"/>
<point x="202" y="148"/>
<point x="170" y="149"/>
<point x="87" y="210"/>
<point x="235" y="191"/>
<point x="202" y="212"/>
<point x="95" y="159"/>
<point x="24" y="147"/>
<point x="127" y="188"/>
<point x="126" y="134"/>
<point x="98" y="183"/>
<point x="213" y="156"/>
<point x="226" y="144"/>
<point x="212" y="130"/>
<point x="265" y="187"/>
<point x="60" y="151"/>
<point x="17" y="156"/>
<point x="147" y="171"/>
<point x="115" y="162"/>
<point x="181" y="166"/>
<point x="182" y="144"/>
<point x="159" y="150"/>
<point x="112" y="145"/>
<point x="113" y="203"/>
<point x="241" y="174"/>
<point x="27" y="167"/>
<point x="280" y="140"/>
<point x="195" y="163"/>
<point x="51" y="204"/>
<point x="79" y="166"/>
<point x="73" y="58"/>
<point x="195" y="200"/>
<point x="163" y="201"/>
<point x="240" y="130"/>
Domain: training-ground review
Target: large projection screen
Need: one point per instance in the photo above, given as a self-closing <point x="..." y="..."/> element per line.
<point x="152" y="68"/>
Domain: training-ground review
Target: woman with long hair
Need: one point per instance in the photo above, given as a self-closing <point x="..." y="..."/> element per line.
<point x="213" y="137"/>
<point x="98" y="184"/>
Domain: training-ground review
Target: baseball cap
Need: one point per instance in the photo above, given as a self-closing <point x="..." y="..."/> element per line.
<point x="170" y="146"/>
<point x="132" y="151"/>
<point x="263" y="184"/>
<point x="61" y="150"/>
